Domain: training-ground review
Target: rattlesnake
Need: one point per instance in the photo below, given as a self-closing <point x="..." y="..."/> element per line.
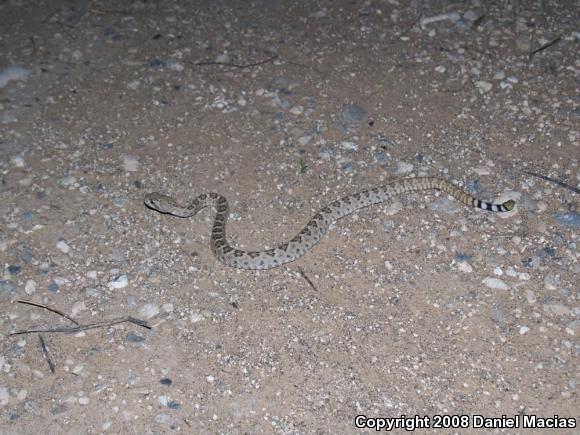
<point x="315" y="229"/>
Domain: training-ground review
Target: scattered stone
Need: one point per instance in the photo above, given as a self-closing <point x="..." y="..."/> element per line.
<point x="556" y="309"/>
<point x="14" y="269"/>
<point x="388" y="225"/>
<point x="524" y="330"/>
<point x="134" y="338"/>
<point x="403" y="168"/>
<point x="149" y="311"/>
<point x="551" y="282"/>
<point x="568" y="219"/>
<point x="77" y="308"/>
<point x="483" y="85"/>
<point x="18" y="162"/>
<point x="451" y="16"/>
<point x="350" y="117"/>
<point x="30" y="287"/>
<point x="7" y="290"/>
<point x="495" y="283"/>
<point x="497" y="313"/>
<point x="444" y="205"/>
<point x="350" y="146"/>
<point x="68" y="181"/>
<point x="12" y="73"/>
<point x="118" y="282"/>
<point x="62" y="246"/>
<point x="130" y="163"/>
<point x="4" y="396"/>
<point x="381" y="158"/>
<point x="464" y="267"/>
<point x="296" y="110"/>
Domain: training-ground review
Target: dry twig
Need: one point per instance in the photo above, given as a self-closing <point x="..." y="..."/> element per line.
<point x="53" y="310"/>
<point x="45" y="352"/>
<point x="95" y="325"/>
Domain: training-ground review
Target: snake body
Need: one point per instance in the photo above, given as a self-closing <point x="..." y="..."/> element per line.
<point x="311" y="234"/>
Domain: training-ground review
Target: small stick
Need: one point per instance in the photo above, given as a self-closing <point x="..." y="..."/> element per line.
<point x="54" y="310"/>
<point x="553" y="180"/>
<point x="235" y="65"/>
<point x="45" y="352"/>
<point x="87" y="326"/>
<point x="544" y="46"/>
<point x="306" y="278"/>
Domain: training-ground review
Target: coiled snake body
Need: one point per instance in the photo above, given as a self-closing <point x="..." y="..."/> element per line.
<point x="315" y="229"/>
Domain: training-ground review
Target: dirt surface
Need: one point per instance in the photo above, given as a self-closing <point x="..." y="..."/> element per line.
<point x="419" y="307"/>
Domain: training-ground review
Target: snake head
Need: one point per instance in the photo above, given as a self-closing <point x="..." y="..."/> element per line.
<point x="159" y="202"/>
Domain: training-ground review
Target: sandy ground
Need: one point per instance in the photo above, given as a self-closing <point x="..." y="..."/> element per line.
<point x="419" y="307"/>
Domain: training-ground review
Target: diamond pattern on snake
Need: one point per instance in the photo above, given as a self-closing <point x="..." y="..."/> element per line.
<point x="311" y="234"/>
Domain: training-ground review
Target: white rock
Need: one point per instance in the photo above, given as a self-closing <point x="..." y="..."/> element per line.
<point x="495" y="283"/>
<point x="403" y="168"/>
<point x="67" y="181"/>
<point x="63" y="247"/>
<point x="483" y="85"/>
<point x="149" y="311"/>
<point x="77" y="308"/>
<point x="30" y="287"/>
<point x="18" y="161"/>
<point x="296" y="110"/>
<point x="551" y="282"/>
<point x="524" y="330"/>
<point x="4" y="396"/>
<point x="196" y="317"/>
<point x="481" y="170"/>
<point x="130" y="163"/>
<point x="120" y="281"/>
<point x="556" y="309"/>
<point x="92" y="274"/>
<point x="464" y="267"/>
<point x="84" y="400"/>
<point x="12" y="73"/>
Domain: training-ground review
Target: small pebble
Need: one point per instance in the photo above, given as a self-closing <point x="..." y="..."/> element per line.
<point x="134" y="338"/>
<point x="495" y="283"/>
<point x="524" y="330"/>
<point x="551" y="282"/>
<point x="118" y="282"/>
<point x="464" y="267"/>
<point x="569" y="219"/>
<point x="556" y="309"/>
<point x="7" y="289"/>
<point x="4" y="396"/>
<point x="531" y="297"/>
<point x="149" y="311"/>
<point x="444" y="205"/>
<point x="483" y="85"/>
<point x="30" y="287"/>
<point x="403" y="168"/>
<point x="62" y="246"/>
<point x="12" y="73"/>
<point x="130" y="163"/>
<point x="18" y="161"/>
